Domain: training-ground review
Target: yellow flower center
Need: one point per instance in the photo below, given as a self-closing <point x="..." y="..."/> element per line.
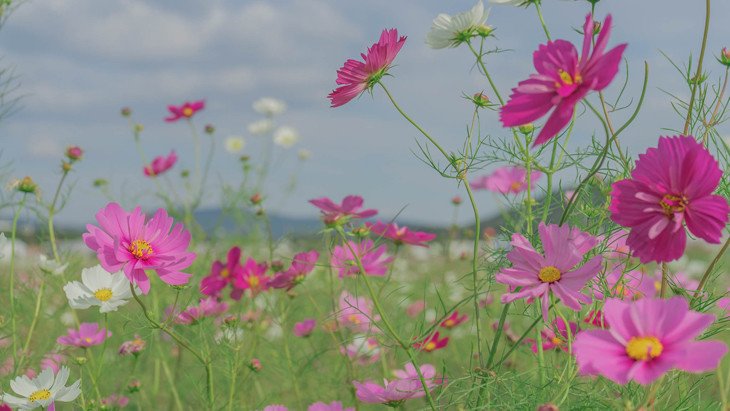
<point x="104" y="294"/>
<point x="449" y="323"/>
<point x="549" y="274"/>
<point x="354" y="319"/>
<point x="556" y="341"/>
<point x="644" y="348"/>
<point x="141" y="249"/>
<point x="671" y="204"/>
<point x="187" y="112"/>
<point x="253" y="281"/>
<point x="88" y="340"/>
<point x="515" y="186"/>
<point x="430" y="346"/>
<point x="225" y="273"/>
<point x="39" y="395"/>
<point x="567" y="79"/>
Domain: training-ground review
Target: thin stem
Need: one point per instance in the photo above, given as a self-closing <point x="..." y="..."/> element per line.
<point x="33" y="323"/>
<point x="720" y="96"/>
<point x="486" y="73"/>
<point x="542" y="20"/>
<point x="711" y="267"/>
<point x="397" y="107"/>
<point x="155" y="324"/>
<point x="665" y="285"/>
<point x="384" y="318"/>
<point x="13" y="234"/>
<point x="698" y="74"/>
<point x="51" y="212"/>
<point x="474" y="268"/>
<point x="610" y="128"/>
<point x="498" y="335"/>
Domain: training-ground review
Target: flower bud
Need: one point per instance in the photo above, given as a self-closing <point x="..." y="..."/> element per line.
<point x="256" y="199"/>
<point x="185" y="173"/>
<point x="80" y="360"/>
<point x="255" y="365"/>
<point x="26" y="185"/>
<point x="526" y="128"/>
<point x="277" y="265"/>
<point x="65" y="166"/>
<point x="548" y="407"/>
<point x="456" y="200"/>
<point x="74" y="153"/>
<point x="138" y="128"/>
<point x="596" y="27"/>
<point x="134" y="386"/>
<point x="245" y="158"/>
<point x="209" y="129"/>
<point x="126" y="111"/>
<point x="100" y="182"/>
<point x="361" y="231"/>
<point x="725" y="57"/>
<point x="481" y="100"/>
<point x="484" y="31"/>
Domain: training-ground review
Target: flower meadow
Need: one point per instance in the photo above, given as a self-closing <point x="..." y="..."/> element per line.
<point x="603" y="284"/>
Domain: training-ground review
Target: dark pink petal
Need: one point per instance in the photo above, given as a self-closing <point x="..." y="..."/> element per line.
<point x="706" y="217"/>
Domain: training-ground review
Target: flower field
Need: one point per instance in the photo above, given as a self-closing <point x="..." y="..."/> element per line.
<point x="593" y="278"/>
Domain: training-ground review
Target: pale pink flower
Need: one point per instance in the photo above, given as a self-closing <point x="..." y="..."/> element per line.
<point x="88" y="335"/>
<point x="505" y="180"/>
<point x="374" y="260"/>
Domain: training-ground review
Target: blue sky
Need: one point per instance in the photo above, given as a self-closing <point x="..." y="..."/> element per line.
<point x="80" y="61"/>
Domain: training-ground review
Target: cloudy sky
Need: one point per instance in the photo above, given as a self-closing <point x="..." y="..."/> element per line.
<point x="80" y="61"/>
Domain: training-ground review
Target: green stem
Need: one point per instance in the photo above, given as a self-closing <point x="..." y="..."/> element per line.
<point x="205" y="362"/>
<point x="51" y="213"/>
<point x="698" y="74"/>
<point x="542" y="20"/>
<point x="474" y="268"/>
<point x="33" y="323"/>
<point x="13" y="234"/>
<point x="397" y="107"/>
<point x="497" y="336"/>
<point x="710" y="268"/>
<point x="384" y="318"/>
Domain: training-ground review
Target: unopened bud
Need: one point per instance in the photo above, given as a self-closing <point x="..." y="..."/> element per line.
<point x="126" y="111"/>
<point x="725" y="57"/>
<point x="526" y="128"/>
<point x="134" y="386"/>
<point x="255" y="365"/>
<point x="26" y="185"/>
<point x="209" y="129"/>
<point x="361" y="231"/>
<point x="138" y="128"/>
<point x="65" y="166"/>
<point x="185" y="173"/>
<point x="74" y="153"/>
<point x="256" y="199"/>
<point x="548" y="407"/>
<point x="100" y="182"/>
<point x="277" y="265"/>
<point x="481" y="100"/>
<point x="456" y="200"/>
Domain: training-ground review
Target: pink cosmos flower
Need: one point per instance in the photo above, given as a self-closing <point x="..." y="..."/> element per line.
<point x="432" y="343"/>
<point x="596" y="319"/>
<point x="354" y="77"/>
<point x="401" y="235"/>
<point x="275" y="407"/>
<point x="52" y="361"/>
<point x="74" y="153"/>
<point x="160" y="165"/>
<point x="356" y="313"/>
<point x="115" y="401"/>
<point x="341" y="213"/>
<point x="506" y="180"/>
<point x="406" y="386"/>
<point x="333" y="406"/>
<point x="134" y="346"/>
<point x="415" y="308"/>
<point x="556" y="272"/>
<point x="617" y="246"/>
<point x="186" y="111"/>
<point x="374" y="260"/>
<point x="671" y="186"/>
<point x="208" y="307"/>
<point x="125" y="241"/>
<point x="223" y="274"/>
<point x="630" y="285"/>
<point x="302" y="264"/>
<point x="562" y="80"/>
<point x="555" y="337"/>
<point x="88" y="335"/>
<point x="453" y="320"/>
<point x="253" y="277"/>
<point x="647" y="338"/>
<point x="363" y="350"/>
<point x="305" y="328"/>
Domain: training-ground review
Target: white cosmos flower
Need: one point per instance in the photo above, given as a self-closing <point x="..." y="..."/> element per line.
<point x="42" y="391"/>
<point x="50" y="266"/>
<point x="98" y="287"/>
<point x="260" y="127"/>
<point x="450" y="31"/>
<point x="286" y="136"/>
<point x="269" y="106"/>
<point x="235" y="144"/>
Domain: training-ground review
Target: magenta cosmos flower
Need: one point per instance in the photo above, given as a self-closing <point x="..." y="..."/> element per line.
<point x="538" y="275"/>
<point x="160" y="165"/>
<point x="401" y="235"/>
<point x="374" y="260"/>
<point x="88" y="335"/>
<point x="505" y="180"/>
<point x="647" y="338"/>
<point x="302" y="264"/>
<point x="125" y="241"/>
<point x="354" y="77"/>
<point x="208" y="307"/>
<point x="351" y="208"/>
<point x="223" y="274"/>
<point x="453" y="320"/>
<point x="305" y="328"/>
<point x="333" y="406"/>
<point x="562" y="80"/>
<point x="187" y="110"/>
<point x="670" y="186"/>
<point x="432" y="343"/>
<point x="253" y="277"/>
<point x="406" y="386"/>
<point x="555" y="337"/>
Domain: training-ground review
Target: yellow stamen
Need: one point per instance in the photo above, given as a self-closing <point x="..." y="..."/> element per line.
<point x="253" y="281"/>
<point x="103" y="294"/>
<point x="549" y="274"/>
<point x="354" y="319"/>
<point x="88" y="340"/>
<point x="556" y="341"/>
<point x="671" y="204"/>
<point x="644" y="348"/>
<point x="430" y="346"/>
<point x="39" y="395"/>
<point x="140" y="249"/>
<point x="187" y="112"/>
<point x="449" y="323"/>
<point x="225" y="273"/>
<point x="516" y="186"/>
